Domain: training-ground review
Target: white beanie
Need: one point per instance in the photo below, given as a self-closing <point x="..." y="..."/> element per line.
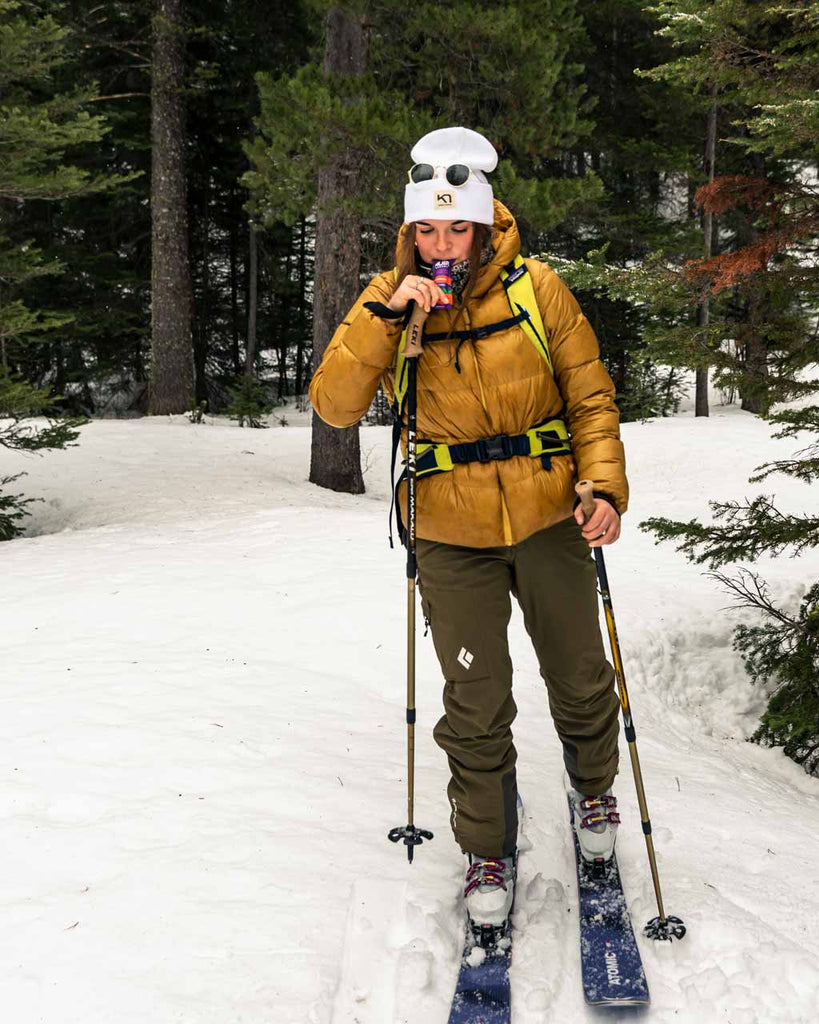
<point x="436" y="199"/>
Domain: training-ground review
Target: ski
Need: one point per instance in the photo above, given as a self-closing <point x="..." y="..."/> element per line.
<point x="482" y="993"/>
<point x="611" y="965"/>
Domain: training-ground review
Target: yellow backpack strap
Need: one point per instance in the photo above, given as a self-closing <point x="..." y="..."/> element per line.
<point x="520" y="293"/>
<point x="549" y="438"/>
<point x="432" y="458"/>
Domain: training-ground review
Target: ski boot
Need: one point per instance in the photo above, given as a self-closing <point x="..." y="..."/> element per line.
<point x="595" y="824"/>
<point x="489" y="890"/>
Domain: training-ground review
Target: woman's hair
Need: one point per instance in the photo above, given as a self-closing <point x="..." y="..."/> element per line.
<point x="405" y="262"/>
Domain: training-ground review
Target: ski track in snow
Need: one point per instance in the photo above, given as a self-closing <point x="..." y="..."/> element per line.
<point x="203" y="749"/>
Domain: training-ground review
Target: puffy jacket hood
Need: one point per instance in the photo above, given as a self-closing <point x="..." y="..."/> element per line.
<point x="505" y="242"/>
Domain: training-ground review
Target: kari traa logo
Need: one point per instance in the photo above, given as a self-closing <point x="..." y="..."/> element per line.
<point x="443" y="200"/>
<point x="466" y="658"/>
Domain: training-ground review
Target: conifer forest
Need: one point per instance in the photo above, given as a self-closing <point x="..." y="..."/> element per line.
<point x="170" y="173"/>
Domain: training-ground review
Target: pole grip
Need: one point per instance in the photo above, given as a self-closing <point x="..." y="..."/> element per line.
<point x="415" y="332"/>
<point x="584" y="489"/>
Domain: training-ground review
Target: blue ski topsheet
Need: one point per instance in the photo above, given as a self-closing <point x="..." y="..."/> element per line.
<point x="612" y="968"/>
<point x="482" y="995"/>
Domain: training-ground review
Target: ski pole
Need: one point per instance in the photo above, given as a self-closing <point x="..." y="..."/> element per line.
<point x="661" y="927"/>
<point x="411" y="835"/>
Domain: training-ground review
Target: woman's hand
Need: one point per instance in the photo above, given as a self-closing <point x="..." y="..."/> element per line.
<point x="420" y="289"/>
<point x="603" y="526"/>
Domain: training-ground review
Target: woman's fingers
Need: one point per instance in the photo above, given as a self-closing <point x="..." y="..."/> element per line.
<point x="423" y="291"/>
<point x="603" y="526"/>
<point x="608" y="536"/>
<point x="420" y="290"/>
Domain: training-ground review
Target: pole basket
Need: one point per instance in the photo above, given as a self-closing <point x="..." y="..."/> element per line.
<point x="411" y="837"/>
<point x="664" y="929"/>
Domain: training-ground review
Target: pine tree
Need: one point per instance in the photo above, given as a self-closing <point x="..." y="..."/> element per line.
<point x="499" y="67"/>
<point x="775" y="68"/>
<point x="504" y="71"/>
<point x="99" y="363"/>
<point x="758" y="61"/>
<point x="743" y="312"/>
<point x="249" y="403"/>
<point x="171" y="288"/>
<point x="643" y="146"/>
<point x="242" y="278"/>
<point x="507" y="70"/>
<point x="37" y="126"/>
<point x="99" y="360"/>
<point x="782" y="649"/>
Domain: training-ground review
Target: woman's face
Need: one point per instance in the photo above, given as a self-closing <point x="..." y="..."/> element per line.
<point x="444" y="239"/>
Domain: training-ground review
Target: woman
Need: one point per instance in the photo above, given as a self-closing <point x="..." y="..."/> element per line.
<point x="496" y="512"/>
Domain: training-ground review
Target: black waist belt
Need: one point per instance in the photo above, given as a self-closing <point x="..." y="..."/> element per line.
<point x="488" y="449"/>
<point x="544" y="440"/>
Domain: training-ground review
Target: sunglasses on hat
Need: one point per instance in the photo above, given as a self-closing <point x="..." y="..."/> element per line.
<point x="455" y="174"/>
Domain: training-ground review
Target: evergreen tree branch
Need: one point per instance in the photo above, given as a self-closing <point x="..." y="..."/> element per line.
<point x="119" y="96"/>
<point x="12" y="509"/>
<point x="785" y="649"/>
<point x="804" y="466"/>
<point x="796" y="420"/>
<point x="20" y="401"/>
<point x="751" y="591"/>
<point x="805" y="463"/>
<point x="744" y="530"/>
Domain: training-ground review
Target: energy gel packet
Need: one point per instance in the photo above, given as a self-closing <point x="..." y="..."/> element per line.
<point x="442" y="276"/>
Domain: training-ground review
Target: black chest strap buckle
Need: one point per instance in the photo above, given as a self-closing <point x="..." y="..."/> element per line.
<point x="494" y="448"/>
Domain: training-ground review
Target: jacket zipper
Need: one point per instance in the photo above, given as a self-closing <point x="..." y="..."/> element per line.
<point x="507" y="524"/>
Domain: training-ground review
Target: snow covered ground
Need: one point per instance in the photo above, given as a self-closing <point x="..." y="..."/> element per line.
<point x="202" y="750"/>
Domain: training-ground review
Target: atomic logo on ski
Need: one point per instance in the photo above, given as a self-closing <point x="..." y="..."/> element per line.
<point x="612" y="966"/>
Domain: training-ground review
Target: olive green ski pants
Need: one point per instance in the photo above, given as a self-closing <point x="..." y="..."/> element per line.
<point x="466" y="599"/>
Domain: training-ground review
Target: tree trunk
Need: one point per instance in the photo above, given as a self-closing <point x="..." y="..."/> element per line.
<point x="754" y="388"/>
<point x="285" y="318"/>
<point x="701" y="394"/>
<point x="200" y="334"/>
<point x="252" y="302"/>
<point x="703" y="312"/>
<point x="234" y="292"/>
<point x="755" y="394"/>
<point x="302" y="290"/>
<point x="335" y="460"/>
<point x="171" y="291"/>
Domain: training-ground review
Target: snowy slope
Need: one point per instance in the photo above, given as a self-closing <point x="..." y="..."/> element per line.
<point x="202" y="664"/>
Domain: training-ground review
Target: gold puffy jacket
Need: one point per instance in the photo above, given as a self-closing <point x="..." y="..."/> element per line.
<point x="503" y="387"/>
